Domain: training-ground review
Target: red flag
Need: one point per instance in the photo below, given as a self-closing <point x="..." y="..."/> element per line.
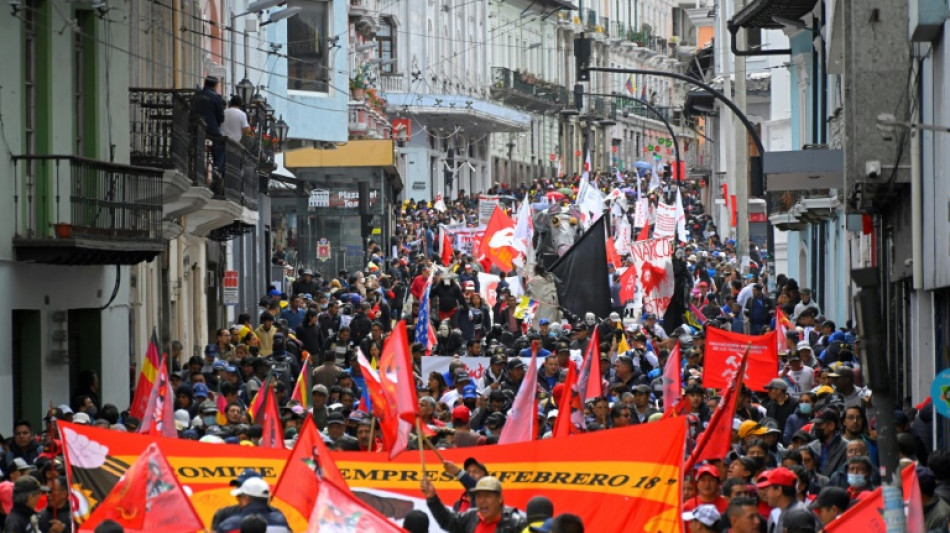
<point x="868" y="513"/>
<point x="148" y="497"/>
<point x="388" y="424"/>
<point x="395" y="376"/>
<point x="159" y="417"/>
<point x="337" y="509"/>
<point x="672" y="380"/>
<point x="715" y="442"/>
<point x="309" y="462"/>
<point x="497" y="244"/>
<point x="563" y="426"/>
<point x="612" y="256"/>
<point x="782" y="325"/>
<point x="644" y="232"/>
<point x="522" y="419"/>
<point x="590" y="382"/>
<point x="143" y="387"/>
<point x="445" y="246"/>
<point x="272" y="428"/>
<point x="628" y="284"/>
<point x="722" y="357"/>
<point x="732" y="208"/>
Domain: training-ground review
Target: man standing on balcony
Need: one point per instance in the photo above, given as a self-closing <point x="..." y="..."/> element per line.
<point x="235" y="125"/>
<point x="209" y="105"/>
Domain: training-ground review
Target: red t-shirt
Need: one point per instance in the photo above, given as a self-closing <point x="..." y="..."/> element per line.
<point x="720" y="502"/>
<point x="486" y="527"/>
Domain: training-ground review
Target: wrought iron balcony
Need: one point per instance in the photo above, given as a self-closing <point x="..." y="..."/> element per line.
<point x="165" y="135"/>
<point x="528" y="92"/>
<point x="77" y="211"/>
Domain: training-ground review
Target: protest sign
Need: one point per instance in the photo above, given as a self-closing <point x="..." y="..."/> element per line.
<point x="653" y="260"/>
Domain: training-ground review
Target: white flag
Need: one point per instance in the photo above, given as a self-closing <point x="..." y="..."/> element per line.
<point x="619" y="177"/>
<point x="523" y="229"/>
<point x="681" y="232"/>
<point x="654" y="182"/>
<point x="586" y="175"/>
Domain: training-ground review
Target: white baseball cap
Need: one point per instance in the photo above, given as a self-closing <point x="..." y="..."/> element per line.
<point x="81" y="418"/>
<point x="706" y="514"/>
<point x="254" y="487"/>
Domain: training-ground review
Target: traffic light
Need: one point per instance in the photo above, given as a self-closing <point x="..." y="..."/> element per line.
<point x="582" y="57"/>
<point x="578" y="96"/>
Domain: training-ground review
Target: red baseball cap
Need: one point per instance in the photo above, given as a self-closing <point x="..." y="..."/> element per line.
<point x="703" y="284"/>
<point x="708" y="469"/>
<point x="780" y="476"/>
<point x="461" y="413"/>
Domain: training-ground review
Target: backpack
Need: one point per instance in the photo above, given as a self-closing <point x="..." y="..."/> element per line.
<point x="283" y="370"/>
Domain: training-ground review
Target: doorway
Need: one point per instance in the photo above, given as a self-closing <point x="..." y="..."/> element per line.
<point x="85" y="349"/>
<point x="27" y="367"/>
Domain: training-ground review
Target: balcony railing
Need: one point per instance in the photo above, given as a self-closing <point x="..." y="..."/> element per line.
<point x="392" y="83"/>
<point x="165" y="135"/>
<point x="67" y="197"/>
<point x="525" y="90"/>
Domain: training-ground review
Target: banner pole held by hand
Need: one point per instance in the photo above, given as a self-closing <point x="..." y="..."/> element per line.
<point x="422" y="450"/>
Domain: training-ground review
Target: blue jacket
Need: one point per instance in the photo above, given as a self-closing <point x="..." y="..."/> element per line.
<point x="276" y="521"/>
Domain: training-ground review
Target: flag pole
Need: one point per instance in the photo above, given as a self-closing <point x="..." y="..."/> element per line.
<point x="426" y="440"/>
<point x="372" y="433"/>
<point x="422" y="450"/>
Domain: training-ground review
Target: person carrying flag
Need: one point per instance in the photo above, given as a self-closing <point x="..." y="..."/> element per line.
<point x="489" y="514"/>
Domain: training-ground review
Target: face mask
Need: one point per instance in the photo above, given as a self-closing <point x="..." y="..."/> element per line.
<point x="857" y="481"/>
<point x="819" y="433"/>
<point x="446" y="282"/>
<point x="805" y="408"/>
<point x="209" y="421"/>
<point x="324" y="306"/>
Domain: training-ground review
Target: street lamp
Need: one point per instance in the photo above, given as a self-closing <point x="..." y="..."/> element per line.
<point x="256" y="100"/>
<point x="244" y="90"/>
<point x="281" y="129"/>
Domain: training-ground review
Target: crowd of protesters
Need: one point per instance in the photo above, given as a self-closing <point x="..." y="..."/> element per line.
<point x="804" y="450"/>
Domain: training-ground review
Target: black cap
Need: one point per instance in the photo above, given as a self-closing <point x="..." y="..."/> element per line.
<point x="473" y="461"/>
<point x="28" y="485"/>
<point x="827" y="415"/>
<point x="831" y="496"/>
<point x="539" y="508"/>
<point x="497" y="359"/>
<point x="515" y="363"/>
<point x="335" y="418"/>
<point x="497" y="395"/>
<point x="562" y="347"/>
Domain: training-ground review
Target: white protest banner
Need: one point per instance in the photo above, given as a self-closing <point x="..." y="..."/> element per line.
<point x="665" y="220"/>
<point x="475" y="366"/>
<point x="641" y="213"/>
<point x="653" y="260"/>
<point x="486" y="206"/>
<point x="463" y="237"/>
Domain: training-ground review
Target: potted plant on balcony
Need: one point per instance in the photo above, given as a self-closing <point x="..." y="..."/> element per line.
<point x="358" y="84"/>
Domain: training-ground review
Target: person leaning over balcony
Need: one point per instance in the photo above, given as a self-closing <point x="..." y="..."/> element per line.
<point x="235" y="123"/>
<point x="209" y="105"/>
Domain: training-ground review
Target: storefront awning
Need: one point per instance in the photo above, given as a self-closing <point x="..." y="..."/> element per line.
<point x="356" y="153"/>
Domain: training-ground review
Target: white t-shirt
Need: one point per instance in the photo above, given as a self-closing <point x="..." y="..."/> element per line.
<point x="235" y="121"/>
<point x="804" y="380"/>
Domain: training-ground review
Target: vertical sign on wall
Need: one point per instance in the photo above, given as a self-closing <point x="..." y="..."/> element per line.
<point x="231" y="284"/>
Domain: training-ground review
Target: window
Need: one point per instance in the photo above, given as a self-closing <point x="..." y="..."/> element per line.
<point x="307" y="56"/>
<point x="386" y="46"/>
<point x="753" y="38"/>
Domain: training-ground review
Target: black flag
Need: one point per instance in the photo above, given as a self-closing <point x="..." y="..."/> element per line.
<point x="581" y="274"/>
